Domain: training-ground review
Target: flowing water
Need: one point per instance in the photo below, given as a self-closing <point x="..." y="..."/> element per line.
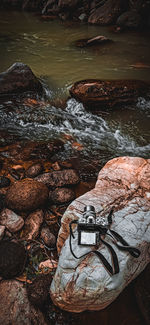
<point x="48" y="48"/>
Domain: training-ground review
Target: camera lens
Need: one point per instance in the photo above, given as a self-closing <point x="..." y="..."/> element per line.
<point x="89" y="208"/>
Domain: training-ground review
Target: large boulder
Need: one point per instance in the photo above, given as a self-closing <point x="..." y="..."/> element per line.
<point x="15" y="307"/>
<point x="108" y="13"/>
<point x="19" y="78"/>
<point x="85" y="284"/>
<point x="100" y="93"/>
<point x="26" y="195"/>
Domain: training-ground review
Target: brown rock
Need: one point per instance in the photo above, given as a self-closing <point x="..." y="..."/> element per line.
<point x="11" y="220"/>
<point x="12" y="259"/>
<point x="32" y="225"/>
<point x="67" y="4"/>
<point x="15" y="307"/>
<point x="108" y="93"/>
<point x="38" y="290"/>
<point x="19" y="78"/>
<point x="62" y="195"/>
<point x="26" y="195"/>
<point x="34" y="170"/>
<point x="59" y="178"/>
<point x="108" y="13"/>
<point x="48" y="238"/>
<point x="4" y="181"/>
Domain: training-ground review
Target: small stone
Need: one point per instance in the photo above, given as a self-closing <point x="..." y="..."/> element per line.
<point x="2" y="231"/>
<point x="32" y="225"/>
<point x="4" y="181"/>
<point x="62" y="195"/>
<point x="34" y="170"/>
<point x="11" y="220"/>
<point x="56" y="166"/>
<point x="38" y="290"/>
<point x="48" y="238"/>
<point x="59" y="178"/>
<point x="26" y="195"/>
<point x="12" y="259"/>
<point x="48" y="264"/>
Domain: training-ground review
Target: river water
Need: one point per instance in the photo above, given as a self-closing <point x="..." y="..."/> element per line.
<point x="48" y="48"/>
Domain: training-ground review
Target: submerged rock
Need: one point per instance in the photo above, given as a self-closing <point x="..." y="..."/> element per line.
<point x="19" y="78"/>
<point x="94" y="41"/>
<point x="12" y="259"/>
<point x="15" y="307"/>
<point x="85" y="284"/>
<point x="109" y="93"/>
<point x="26" y="195"/>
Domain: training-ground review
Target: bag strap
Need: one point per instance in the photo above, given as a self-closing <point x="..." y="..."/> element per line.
<point x="135" y="252"/>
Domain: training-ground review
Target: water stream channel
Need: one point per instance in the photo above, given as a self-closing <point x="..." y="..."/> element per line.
<point x="48" y="48"/>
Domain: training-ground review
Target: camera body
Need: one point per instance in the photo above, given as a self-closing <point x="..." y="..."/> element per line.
<point x="90" y="227"/>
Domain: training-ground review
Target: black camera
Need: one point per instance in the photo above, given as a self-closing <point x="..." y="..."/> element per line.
<point x="90" y="227"/>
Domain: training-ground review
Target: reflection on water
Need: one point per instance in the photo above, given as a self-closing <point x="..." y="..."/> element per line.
<point x="48" y="48"/>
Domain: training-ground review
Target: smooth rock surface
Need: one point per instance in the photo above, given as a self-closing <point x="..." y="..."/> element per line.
<point x="32" y="225"/>
<point x="59" y="178"/>
<point x="48" y="238"/>
<point x="15" y="308"/>
<point x="101" y="93"/>
<point x="26" y="195"/>
<point x="19" y="78"/>
<point x="84" y="284"/>
<point x="11" y="220"/>
<point x="62" y="195"/>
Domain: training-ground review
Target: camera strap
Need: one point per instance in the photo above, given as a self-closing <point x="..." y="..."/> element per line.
<point x="114" y="268"/>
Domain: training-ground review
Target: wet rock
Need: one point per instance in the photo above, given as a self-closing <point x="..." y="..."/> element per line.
<point x="12" y="259"/>
<point x="11" y="220"/>
<point x="19" y="78"/>
<point x="100" y="93"/>
<point x="85" y="284"/>
<point x="59" y="178"/>
<point x="32" y="225"/>
<point x="38" y="290"/>
<point x="129" y="19"/>
<point x="62" y="195"/>
<point x="1" y="164"/>
<point x="26" y="195"/>
<point x="4" y="181"/>
<point x="15" y="307"/>
<point x="142" y="292"/>
<point x="67" y="4"/>
<point x="34" y="170"/>
<point x="107" y="13"/>
<point x="2" y="231"/>
<point x="48" y="238"/>
<point x="2" y="201"/>
<point x="94" y="41"/>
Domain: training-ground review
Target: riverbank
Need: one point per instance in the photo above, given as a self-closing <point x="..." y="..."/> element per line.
<point x="125" y="14"/>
